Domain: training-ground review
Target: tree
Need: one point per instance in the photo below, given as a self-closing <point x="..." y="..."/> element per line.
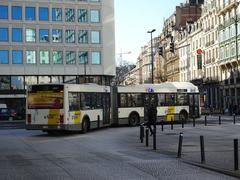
<point x="122" y="70"/>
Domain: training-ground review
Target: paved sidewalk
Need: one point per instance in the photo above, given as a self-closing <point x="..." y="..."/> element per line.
<point x="219" y="149"/>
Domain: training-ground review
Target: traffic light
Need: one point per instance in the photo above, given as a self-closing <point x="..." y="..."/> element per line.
<point x="160" y="51"/>
<point x="199" y="61"/>
<point x="172" y="47"/>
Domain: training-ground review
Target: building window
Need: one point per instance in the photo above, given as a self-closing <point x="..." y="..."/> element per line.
<point x="4" y="57"/>
<point x="3" y="12"/>
<point x="70" y="15"/>
<point x="94" y="0"/>
<point x="95" y="16"/>
<point x="30" y="80"/>
<point x="70" y="57"/>
<point x="57" y="35"/>
<point x="3" y="34"/>
<point x="56" y="14"/>
<point x="96" y="58"/>
<point x="70" y="36"/>
<point x="44" y="57"/>
<point x="95" y="37"/>
<point x="43" y="14"/>
<point x="57" y="79"/>
<point x="31" y="57"/>
<point x="30" y="35"/>
<point x="17" y="57"/>
<point x="16" y="34"/>
<point x="83" y="57"/>
<point x="57" y="57"/>
<point x="16" y="13"/>
<point x="4" y="82"/>
<point x="17" y="82"/>
<point x="82" y="15"/>
<point x="44" y="35"/>
<point x="30" y="13"/>
<point x="44" y="79"/>
<point x="83" y="36"/>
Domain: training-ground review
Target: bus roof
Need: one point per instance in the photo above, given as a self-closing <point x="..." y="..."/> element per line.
<point x="167" y="87"/>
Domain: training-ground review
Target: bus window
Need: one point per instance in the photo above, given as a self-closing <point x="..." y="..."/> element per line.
<point x="85" y="101"/>
<point x="135" y="100"/>
<point x="170" y="99"/>
<point x="161" y="100"/>
<point x="122" y="100"/>
<point x="182" y="99"/>
<point x="74" y="101"/>
<point x="99" y="101"/>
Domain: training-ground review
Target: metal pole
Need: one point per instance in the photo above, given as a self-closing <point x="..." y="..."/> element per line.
<point x="205" y="121"/>
<point x="235" y="141"/>
<point x="162" y="124"/>
<point x="154" y="137"/>
<point x="180" y="145"/>
<point x="220" y="121"/>
<point x="193" y="121"/>
<point x="141" y="133"/>
<point x="234" y="119"/>
<point x="85" y="71"/>
<point x="152" y="58"/>
<point x="182" y="122"/>
<point x="202" y="149"/>
<point x="171" y="123"/>
<point x="147" y="134"/>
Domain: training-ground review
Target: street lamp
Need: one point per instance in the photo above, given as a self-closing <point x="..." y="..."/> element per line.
<point x="152" y="52"/>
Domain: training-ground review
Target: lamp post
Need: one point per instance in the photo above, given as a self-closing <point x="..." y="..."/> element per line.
<point x="152" y="52"/>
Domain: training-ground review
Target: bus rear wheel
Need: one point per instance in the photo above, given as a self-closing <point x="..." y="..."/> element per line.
<point x="85" y="126"/>
<point x="133" y="119"/>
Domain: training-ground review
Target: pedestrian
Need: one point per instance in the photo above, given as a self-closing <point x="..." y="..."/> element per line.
<point x="152" y="116"/>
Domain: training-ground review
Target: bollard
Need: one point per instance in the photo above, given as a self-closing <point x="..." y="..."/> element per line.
<point x="235" y="142"/>
<point x="98" y="121"/>
<point x="147" y="134"/>
<point x="234" y="119"/>
<point x="202" y="149"/>
<point x="141" y="133"/>
<point x="162" y="124"/>
<point x="205" y="121"/>
<point x="154" y="137"/>
<point x="182" y="122"/>
<point x="180" y="145"/>
<point x="171" y="123"/>
<point x="193" y="121"/>
<point x="219" y="120"/>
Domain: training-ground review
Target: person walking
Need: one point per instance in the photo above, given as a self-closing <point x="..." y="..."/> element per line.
<point x="152" y="117"/>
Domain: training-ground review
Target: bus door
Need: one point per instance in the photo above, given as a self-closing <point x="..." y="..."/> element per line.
<point x="147" y="101"/>
<point x="106" y="108"/>
<point x="194" y="105"/>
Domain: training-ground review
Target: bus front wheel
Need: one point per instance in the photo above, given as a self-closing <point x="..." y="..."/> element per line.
<point x="85" y="126"/>
<point x="133" y="119"/>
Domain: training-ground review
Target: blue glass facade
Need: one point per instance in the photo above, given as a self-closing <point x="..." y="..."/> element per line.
<point x="30" y="13"/>
<point x="4" y="56"/>
<point x="43" y="14"/>
<point x="3" y="12"/>
<point x="17" y="57"/>
<point x="17" y="35"/>
<point x="3" y="34"/>
<point x="16" y="13"/>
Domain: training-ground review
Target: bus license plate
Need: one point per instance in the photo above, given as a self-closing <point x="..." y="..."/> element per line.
<point x="45" y="127"/>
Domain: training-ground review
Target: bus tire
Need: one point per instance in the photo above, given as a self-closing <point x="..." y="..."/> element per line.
<point x="183" y="115"/>
<point x="85" y="125"/>
<point x="134" y="119"/>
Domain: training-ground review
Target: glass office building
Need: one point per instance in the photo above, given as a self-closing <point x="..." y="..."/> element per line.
<point x="57" y="41"/>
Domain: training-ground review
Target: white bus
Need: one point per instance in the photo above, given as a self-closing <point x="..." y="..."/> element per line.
<point x="174" y="101"/>
<point x="72" y="107"/>
<point x="80" y="107"/>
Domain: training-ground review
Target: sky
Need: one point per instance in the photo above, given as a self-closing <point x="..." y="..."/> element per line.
<point x="133" y="18"/>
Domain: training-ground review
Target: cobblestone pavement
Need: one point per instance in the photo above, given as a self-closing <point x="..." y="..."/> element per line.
<point x="111" y="153"/>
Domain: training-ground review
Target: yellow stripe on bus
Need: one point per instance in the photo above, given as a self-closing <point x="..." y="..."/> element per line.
<point x="170" y="113"/>
<point x="77" y="115"/>
<point x="53" y="116"/>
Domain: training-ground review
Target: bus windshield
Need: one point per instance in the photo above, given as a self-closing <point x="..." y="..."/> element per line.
<point x="45" y="97"/>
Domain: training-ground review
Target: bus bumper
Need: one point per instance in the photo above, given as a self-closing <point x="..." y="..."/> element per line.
<point x="68" y="127"/>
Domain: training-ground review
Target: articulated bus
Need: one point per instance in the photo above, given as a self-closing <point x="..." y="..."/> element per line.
<point x="81" y="107"/>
